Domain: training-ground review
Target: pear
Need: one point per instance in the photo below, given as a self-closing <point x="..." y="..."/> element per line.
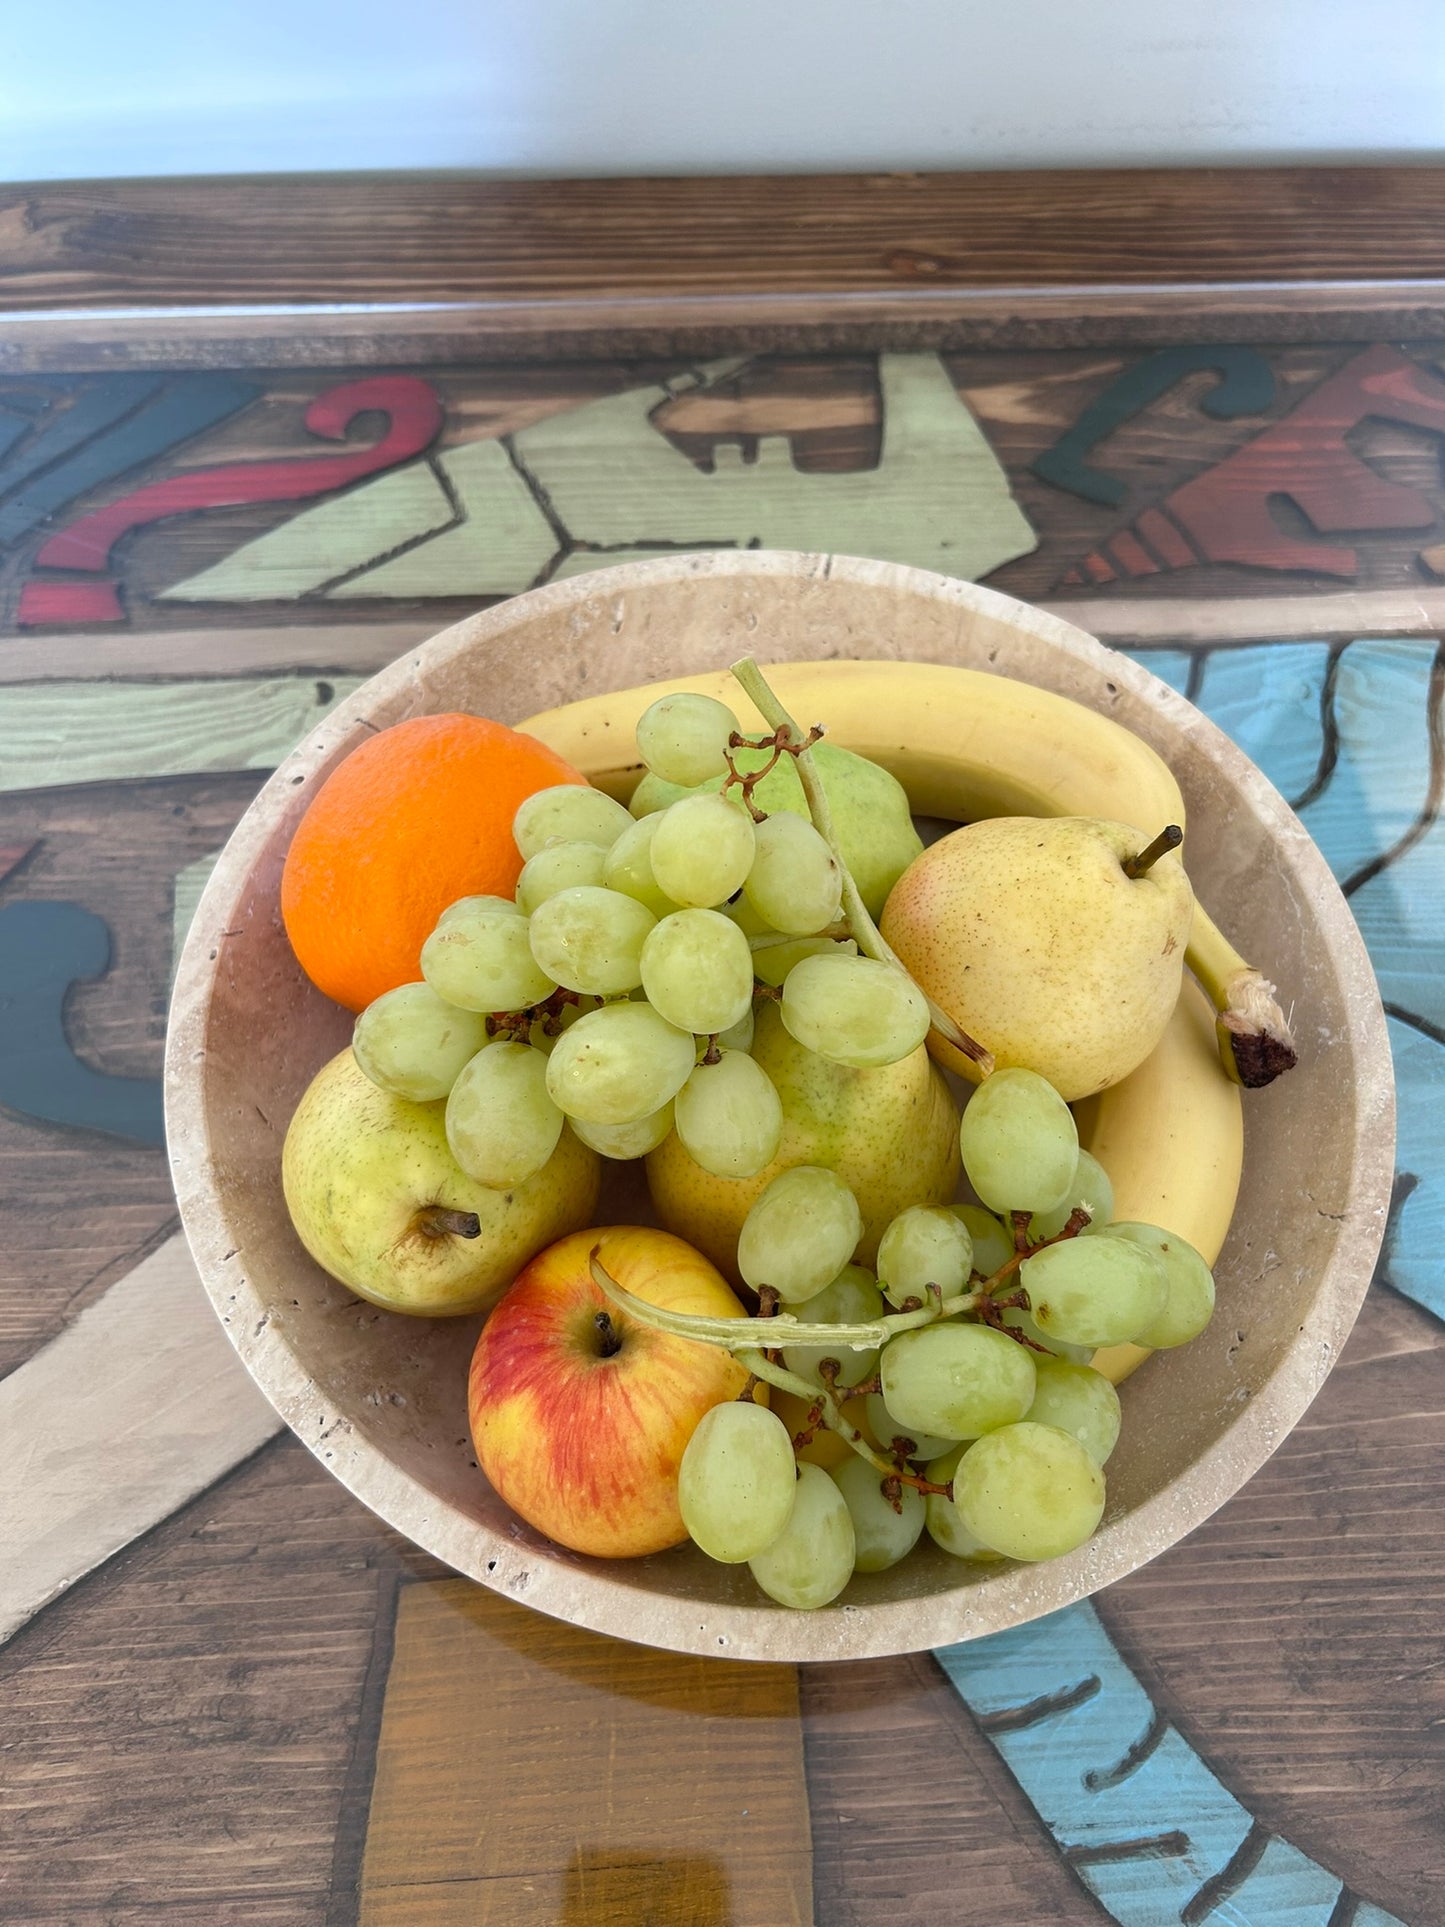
<point x="890" y="1134"/>
<point x="1033" y="935"/>
<point x="378" y="1200"/>
<point x="870" y="810"/>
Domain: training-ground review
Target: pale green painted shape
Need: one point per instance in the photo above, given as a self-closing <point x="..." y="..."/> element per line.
<point x="56" y="733"/>
<point x="580" y="561"/>
<point x="189" y="884"/>
<point x="501" y="547"/>
<point x="322" y="543"/>
<point x="939" y="497"/>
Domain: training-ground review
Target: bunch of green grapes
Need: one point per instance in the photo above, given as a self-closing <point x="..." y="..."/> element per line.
<point x="615" y="995"/>
<point x="987" y="1426"/>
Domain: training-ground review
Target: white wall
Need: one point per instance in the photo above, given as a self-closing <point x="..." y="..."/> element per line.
<point x="102" y="87"/>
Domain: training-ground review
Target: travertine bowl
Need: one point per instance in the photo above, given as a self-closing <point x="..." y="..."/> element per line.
<point x="381" y="1398"/>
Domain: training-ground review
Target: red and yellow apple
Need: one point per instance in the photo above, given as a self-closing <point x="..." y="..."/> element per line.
<point x="581" y="1427"/>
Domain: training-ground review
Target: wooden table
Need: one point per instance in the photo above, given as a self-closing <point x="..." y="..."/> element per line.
<point x="257" y="437"/>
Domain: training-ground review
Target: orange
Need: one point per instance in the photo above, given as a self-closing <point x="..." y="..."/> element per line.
<point x="415" y="817"/>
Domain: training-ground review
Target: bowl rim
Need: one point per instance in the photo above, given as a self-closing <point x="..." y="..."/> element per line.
<point x="588" y="1593"/>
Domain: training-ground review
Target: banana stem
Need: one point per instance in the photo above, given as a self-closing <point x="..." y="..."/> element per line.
<point x="1255" y="1042"/>
<point x="869" y="937"/>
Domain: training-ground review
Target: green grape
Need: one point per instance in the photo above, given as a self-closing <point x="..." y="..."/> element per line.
<point x="618" y="1065"/>
<point x="501" y="1124"/>
<point x="590" y="940"/>
<point x="886" y="1429"/>
<point x="745" y="916"/>
<point x="801" y="1231"/>
<point x="730" y="1117"/>
<point x="624" y="1141"/>
<point x="738" y="1036"/>
<point x="811" y="1560"/>
<point x="992" y="1245"/>
<point x="853" y="1298"/>
<point x="684" y="738"/>
<point x="1090" y="1188"/>
<point x="1094" y="1291"/>
<point x="737" y="1480"/>
<point x="854" y="1010"/>
<point x="627" y="867"/>
<point x="1189" y="1286"/>
<point x="772" y="962"/>
<point x="479" y="958"/>
<point x="697" y="971"/>
<point x="568" y="813"/>
<point x="702" y="850"/>
<point x="414" y="1043"/>
<point x="940" y="1514"/>
<point x="653" y="795"/>
<point x="925" y="1245"/>
<point x="1080" y="1402"/>
<point x="881" y="1536"/>
<point x="1019" y="1320"/>
<point x="1030" y="1491"/>
<point x="467" y="906"/>
<point x="956" y="1381"/>
<point x="795" y="882"/>
<point x="1019" y="1143"/>
<point x="558" y="866"/>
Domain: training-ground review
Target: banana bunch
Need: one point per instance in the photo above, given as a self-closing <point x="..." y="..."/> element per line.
<point x="966" y="745"/>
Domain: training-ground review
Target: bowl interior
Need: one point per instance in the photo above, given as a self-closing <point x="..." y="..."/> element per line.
<point x="381" y="1398"/>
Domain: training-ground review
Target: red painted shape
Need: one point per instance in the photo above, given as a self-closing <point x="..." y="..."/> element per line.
<point x="68" y="602"/>
<point x="11" y="856"/>
<point x="1165" y="540"/>
<point x="414" y="415"/>
<point x="1097" y="569"/>
<point x="1129" y="555"/>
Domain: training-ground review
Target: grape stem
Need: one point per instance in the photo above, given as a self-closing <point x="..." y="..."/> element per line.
<point x="827" y="1409"/>
<point x="869" y="937"/>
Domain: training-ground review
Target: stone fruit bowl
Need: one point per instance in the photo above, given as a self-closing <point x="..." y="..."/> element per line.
<point x="381" y="1399"/>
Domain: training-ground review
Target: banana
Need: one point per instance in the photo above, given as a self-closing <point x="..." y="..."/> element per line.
<point x="964" y="744"/>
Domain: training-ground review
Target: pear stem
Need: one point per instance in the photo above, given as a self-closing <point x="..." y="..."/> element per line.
<point x="869" y="937"/>
<point x="439" y="1221"/>
<point x="1169" y="838"/>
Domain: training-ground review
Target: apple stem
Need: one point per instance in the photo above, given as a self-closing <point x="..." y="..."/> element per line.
<point x="869" y="937"/>
<point x="1169" y="838"/>
<point x="439" y="1221"/>
<point x="609" y="1342"/>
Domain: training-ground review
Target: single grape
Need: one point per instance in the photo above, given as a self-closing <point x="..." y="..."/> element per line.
<point x="684" y="738"/>
<point x="467" y="906"/>
<point x="1079" y="1401"/>
<point x="992" y="1245"/>
<point x="1090" y="1188"/>
<point x="1020" y="1321"/>
<point x="1189" y="1286"/>
<point x="729" y="1116"/>
<point x="568" y="813"/>
<point x="501" y="1125"/>
<point x="881" y="1535"/>
<point x="853" y="1298"/>
<point x="736" y="1482"/>
<point x="811" y="1560"/>
<point x="623" y="1142"/>
<point x="795" y="882"/>
<point x="702" y="850"/>
<point x="1019" y="1143"/>
<point x="558" y="866"/>
<point x="1030" y="1491"/>
<point x="886" y="1429"/>
<point x="414" y="1043"/>
<point x="697" y="971"/>
<point x="745" y="916"/>
<point x="854" y="1010"/>
<point x="940" y="1514"/>
<point x="774" y="962"/>
<point x="925" y="1245"/>
<point x="1095" y="1291"/>
<point x="801" y="1231"/>
<point x="956" y="1381"/>
<point x="653" y="795"/>
<point x="590" y="939"/>
<point x="479" y="958"/>
<point x="627" y="867"/>
<point x="618" y="1065"/>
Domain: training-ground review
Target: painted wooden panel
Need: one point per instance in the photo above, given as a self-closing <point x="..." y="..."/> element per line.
<point x="1268" y="698"/>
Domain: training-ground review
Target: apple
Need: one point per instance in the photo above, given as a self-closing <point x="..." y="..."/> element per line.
<point x="580" y="1415"/>
<point x="380" y="1202"/>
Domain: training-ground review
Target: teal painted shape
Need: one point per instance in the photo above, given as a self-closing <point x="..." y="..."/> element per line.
<point x="1169" y="665"/>
<point x="1401" y="914"/>
<point x="1285" y="1889"/>
<point x="1416" y="1238"/>
<point x="1266" y="697"/>
<point x="1382" y="776"/>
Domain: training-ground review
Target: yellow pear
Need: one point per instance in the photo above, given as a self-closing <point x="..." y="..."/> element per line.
<point x="1032" y="933"/>
<point x="890" y="1134"/>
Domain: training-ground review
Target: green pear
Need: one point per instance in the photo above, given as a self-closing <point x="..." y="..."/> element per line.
<point x="378" y="1200"/>
<point x="890" y="1134"/>
<point x="870" y="810"/>
<point x="1034" y="936"/>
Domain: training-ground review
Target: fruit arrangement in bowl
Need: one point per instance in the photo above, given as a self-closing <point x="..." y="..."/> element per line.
<point x="718" y="1181"/>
